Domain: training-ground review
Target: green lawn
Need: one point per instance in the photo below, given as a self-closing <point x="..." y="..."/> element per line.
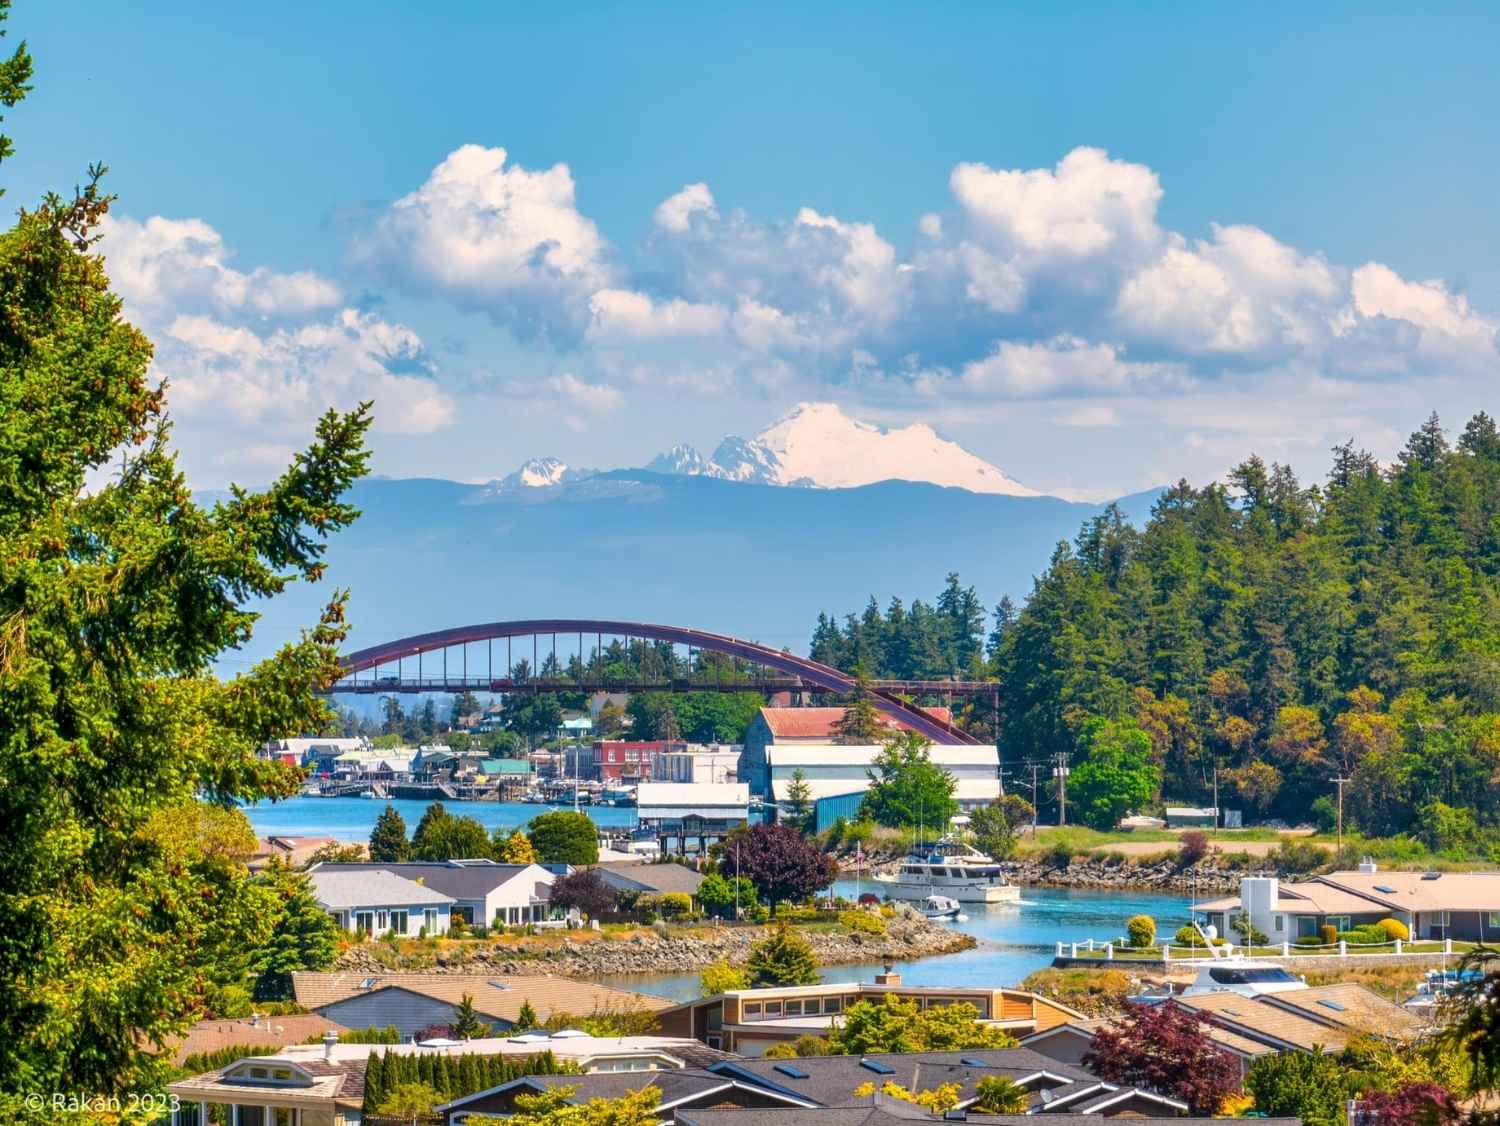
<point x="1188" y="953"/>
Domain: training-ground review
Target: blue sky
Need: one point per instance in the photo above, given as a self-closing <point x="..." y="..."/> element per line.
<point x="1085" y="322"/>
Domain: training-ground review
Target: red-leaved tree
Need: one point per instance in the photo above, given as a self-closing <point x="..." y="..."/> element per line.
<point x="1411" y="1104"/>
<point x="585" y="890"/>
<point x="1166" y="1048"/>
<point x="780" y="862"/>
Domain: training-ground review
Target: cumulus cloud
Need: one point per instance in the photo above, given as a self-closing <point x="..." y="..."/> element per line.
<point x="675" y="213"/>
<point x="167" y="266"/>
<point x="1060" y="367"/>
<point x="496" y="238"/>
<point x="590" y="398"/>
<point x="625" y="314"/>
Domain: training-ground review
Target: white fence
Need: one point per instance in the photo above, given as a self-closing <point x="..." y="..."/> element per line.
<point x="1285" y="950"/>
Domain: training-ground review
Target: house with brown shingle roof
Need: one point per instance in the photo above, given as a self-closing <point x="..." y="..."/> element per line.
<point x="254" y="1031"/>
<point x="415" y="1001"/>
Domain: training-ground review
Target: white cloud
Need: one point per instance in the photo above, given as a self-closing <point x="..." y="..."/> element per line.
<point x="675" y="213"/>
<point x="589" y="398"/>
<point x="625" y="314"/>
<point x="494" y="238"/>
<point x="1089" y="417"/>
<point x="1379" y="291"/>
<point x="161" y="267"/>
<point x="1063" y="366"/>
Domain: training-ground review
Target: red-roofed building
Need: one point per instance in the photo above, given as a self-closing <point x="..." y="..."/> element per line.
<point x="814" y="725"/>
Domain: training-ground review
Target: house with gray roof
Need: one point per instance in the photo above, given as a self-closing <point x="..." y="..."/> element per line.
<point x="377" y="902"/>
<point x="651" y="879"/>
<point x="482" y="891"/>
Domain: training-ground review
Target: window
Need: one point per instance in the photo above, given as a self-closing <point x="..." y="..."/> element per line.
<point x="877" y="1067"/>
<point x="773" y="1008"/>
<point x="834" y="1004"/>
<point x="1339" y="922"/>
<point x="1269" y="975"/>
<point x="382" y="920"/>
<point x="1280" y="922"/>
<point x="1494" y="919"/>
<point x="429" y="918"/>
<point x="752" y="1009"/>
<point x="790" y="1070"/>
<point x="364" y="921"/>
<point x="398" y="922"/>
<point x="810" y="1007"/>
<point x="793" y="1008"/>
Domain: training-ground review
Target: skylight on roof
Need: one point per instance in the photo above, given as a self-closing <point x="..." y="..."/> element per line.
<point x="499" y="984"/>
<point x="368" y="983"/>
<point x="1387" y="890"/>
<point x="877" y="1067"/>
<point x="1329" y="1003"/>
<point x="788" y="1069"/>
<point x="970" y="1061"/>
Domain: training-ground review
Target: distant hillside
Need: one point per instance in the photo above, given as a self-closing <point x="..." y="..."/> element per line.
<point x="758" y="561"/>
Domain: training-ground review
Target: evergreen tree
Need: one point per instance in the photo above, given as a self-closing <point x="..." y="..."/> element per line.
<point x="526" y="1018"/>
<point x="303" y="936"/>
<point x="799" y="799"/>
<point x="388" y="843"/>
<point x="467" y="1024"/>
<point x="118" y="595"/>
<point x="861" y="722"/>
<point x="783" y="957"/>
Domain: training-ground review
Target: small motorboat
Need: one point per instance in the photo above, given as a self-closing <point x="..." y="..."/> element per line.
<point x="939" y="907"/>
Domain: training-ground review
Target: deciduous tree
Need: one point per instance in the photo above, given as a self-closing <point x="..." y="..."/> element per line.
<point x="780" y="862"/>
<point x="1166" y="1048"/>
<point x="907" y="788"/>
<point x="564" y="837"/>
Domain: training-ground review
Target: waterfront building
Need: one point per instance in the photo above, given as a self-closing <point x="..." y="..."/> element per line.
<point x="882" y="1110"/>
<point x="748" y="1021"/>
<point x="701" y="812"/>
<point x="699" y="762"/>
<point x="315" y="752"/>
<point x="376" y="902"/>
<point x="412" y="1002"/>
<point x="783" y="741"/>
<point x="1432" y="905"/>
<point x="482" y="891"/>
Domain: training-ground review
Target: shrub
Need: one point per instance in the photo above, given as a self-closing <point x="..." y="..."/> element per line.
<point x="1308" y="940"/>
<point x="721" y="977"/>
<point x="862" y="922"/>
<point x="585" y="891"/>
<point x="1324" y="814"/>
<point x="1187" y="936"/>
<point x="1142" y="931"/>
<point x="1297" y="857"/>
<point x="676" y="903"/>
<point x="457" y="927"/>
<point x="782" y="1051"/>
<point x="1192" y="848"/>
<point x="1249" y="933"/>
<point x="1328" y="934"/>
<point x="1394" y="929"/>
<point x="1060" y="855"/>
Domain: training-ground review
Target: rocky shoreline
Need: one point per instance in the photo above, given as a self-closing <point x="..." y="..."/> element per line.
<point x="1106" y="874"/>
<point x="674" y="950"/>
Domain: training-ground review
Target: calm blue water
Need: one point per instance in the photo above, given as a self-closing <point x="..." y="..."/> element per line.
<point x="351" y="819"/>
<point x="1014" y="939"/>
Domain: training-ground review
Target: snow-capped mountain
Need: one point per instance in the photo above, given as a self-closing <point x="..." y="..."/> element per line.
<point x="815" y="445"/>
<point x="538" y="473"/>
<point x="818" y="445"/>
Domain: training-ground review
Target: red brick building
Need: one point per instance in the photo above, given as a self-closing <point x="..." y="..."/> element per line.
<point x="620" y="761"/>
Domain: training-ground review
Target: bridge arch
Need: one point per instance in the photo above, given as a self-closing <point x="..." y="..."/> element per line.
<point x="813" y="673"/>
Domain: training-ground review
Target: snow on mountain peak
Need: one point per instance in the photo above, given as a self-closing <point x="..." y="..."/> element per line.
<point x="538" y="473"/>
<point x="817" y="444"/>
<point x="680" y="459"/>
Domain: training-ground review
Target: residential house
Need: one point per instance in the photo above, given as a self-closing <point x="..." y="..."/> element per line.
<point x="783" y="741"/>
<point x="882" y="1110"/>
<point x="682" y="1091"/>
<point x="415" y="1001"/>
<point x="294" y="852"/>
<point x="483" y="891"/>
<point x="1054" y="1087"/>
<point x="315" y="752"/>
<point x="1069" y="1043"/>
<point x="254" y="1031"/>
<point x="1432" y="905"/>
<point x="371" y="900"/>
<point x="748" y="1021"/>
<point x="323" y="1085"/>
<point x="374" y="766"/>
<point x="651" y="879"/>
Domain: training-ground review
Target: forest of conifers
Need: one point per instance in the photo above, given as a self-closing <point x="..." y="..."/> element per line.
<point x="1284" y="633"/>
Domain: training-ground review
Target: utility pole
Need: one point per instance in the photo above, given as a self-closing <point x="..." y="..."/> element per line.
<point x="1060" y="772"/>
<point x="1216" y="799"/>
<point x="1035" y="766"/>
<point x="1339" y="781"/>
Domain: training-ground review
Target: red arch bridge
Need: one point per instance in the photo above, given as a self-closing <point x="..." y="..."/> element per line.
<point x="465" y="659"/>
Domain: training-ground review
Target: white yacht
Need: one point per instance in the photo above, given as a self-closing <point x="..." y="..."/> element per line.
<point x="950" y="870"/>
<point x="1244" y="976"/>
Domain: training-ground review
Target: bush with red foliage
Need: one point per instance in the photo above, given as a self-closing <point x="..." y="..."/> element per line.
<point x="1166" y="1048"/>
<point x="1411" y="1104"/>
<point x="780" y="862"/>
<point x="1192" y="847"/>
<point x="585" y="890"/>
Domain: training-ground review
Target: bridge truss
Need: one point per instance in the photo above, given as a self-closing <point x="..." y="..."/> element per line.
<point x="461" y="666"/>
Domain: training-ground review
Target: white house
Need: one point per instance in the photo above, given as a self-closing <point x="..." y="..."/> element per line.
<point x="377" y="902"/>
<point x="482" y="891"/>
<point x="831" y="768"/>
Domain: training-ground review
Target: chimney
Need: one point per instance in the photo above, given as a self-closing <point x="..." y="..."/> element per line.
<point x="887" y="976"/>
<point x="1367" y="866"/>
<point x="330" y="1038"/>
<point x="254" y="1020"/>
